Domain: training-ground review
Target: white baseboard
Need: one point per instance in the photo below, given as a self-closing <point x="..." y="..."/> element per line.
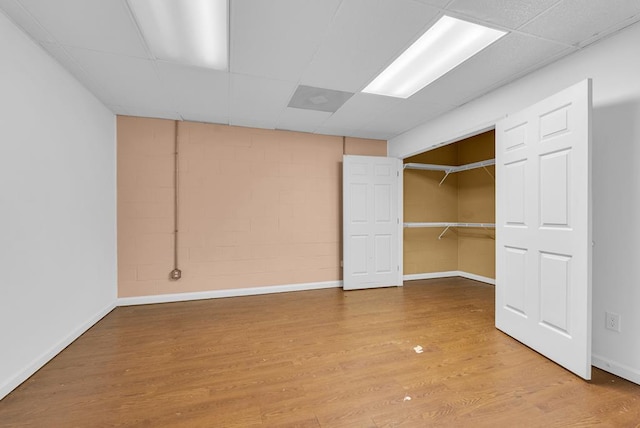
<point x="449" y="274"/>
<point x="431" y="275"/>
<point x="475" y="277"/>
<point x="617" y="369"/>
<point x="43" y="359"/>
<point x="217" y="294"/>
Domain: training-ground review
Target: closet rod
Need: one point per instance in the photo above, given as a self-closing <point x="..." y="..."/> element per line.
<point x="449" y="169"/>
<point x="448" y="224"/>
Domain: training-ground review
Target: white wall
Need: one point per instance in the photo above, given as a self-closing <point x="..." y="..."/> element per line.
<point x="57" y="208"/>
<point x="614" y="66"/>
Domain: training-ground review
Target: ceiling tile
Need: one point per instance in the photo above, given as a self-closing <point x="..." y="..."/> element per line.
<point x="63" y="57"/>
<point x="507" y="13"/>
<point x="436" y="3"/>
<point x="277" y="39"/>
<point x="374" y="135"/>
<point x="118" y="110"/>
<point x="196" y="91"/>
<point x="406" y="115"/>
<point x="23" y="18"/>
<point x="295" y="119"/>
<point x="498" y="63"/>
<point x="255" y="100"/>
<point x="204" y="117"/>
<point x="364" y="38"/>
<point x="572" y="23"/>
<point x="126" y="81"/>
<point x="249" y="122"/>
<point x="101" y="25"/>
<point x="359" y="110"/>
<point x="151" y="112"/>
<point x="332" y="130"/>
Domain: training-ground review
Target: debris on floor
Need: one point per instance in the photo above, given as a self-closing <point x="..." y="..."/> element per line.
<point x="418" y="349"/>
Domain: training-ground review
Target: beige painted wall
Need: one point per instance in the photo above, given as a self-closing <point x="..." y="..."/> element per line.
<point x="468" y="196"/>
<point x="476" y="204"/>
<point x="257" y="207"/>
<point x="425" y="200"/>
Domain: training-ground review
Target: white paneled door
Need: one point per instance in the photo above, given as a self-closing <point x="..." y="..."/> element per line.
<point x="372" y="247"/>
<point x="543" y="227"/>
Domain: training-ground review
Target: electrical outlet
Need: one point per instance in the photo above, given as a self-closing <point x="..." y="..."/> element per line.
<point x="612" y="321"/>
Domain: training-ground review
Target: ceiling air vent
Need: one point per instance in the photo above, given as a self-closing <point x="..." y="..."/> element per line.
<point x="319" y="99"/>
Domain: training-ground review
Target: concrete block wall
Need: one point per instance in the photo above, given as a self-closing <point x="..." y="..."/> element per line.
<point x="256" y="207"/>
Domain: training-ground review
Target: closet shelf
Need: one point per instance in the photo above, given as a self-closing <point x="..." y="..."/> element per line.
<point x="447" y="226"/>
<point x="449" y="169"/>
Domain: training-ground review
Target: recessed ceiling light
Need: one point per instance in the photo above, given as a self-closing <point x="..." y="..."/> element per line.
<point x="447" y="44"/>
<point x="193" y="32"/>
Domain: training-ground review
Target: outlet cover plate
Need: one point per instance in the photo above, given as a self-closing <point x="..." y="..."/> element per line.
<point x="612" y="321"/>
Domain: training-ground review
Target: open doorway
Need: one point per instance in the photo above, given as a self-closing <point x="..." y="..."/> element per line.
<point x="449" y="211"/>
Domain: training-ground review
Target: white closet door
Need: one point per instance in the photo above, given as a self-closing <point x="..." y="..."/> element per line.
<point x="543" y="227"/>
<point x="371" y="222"/>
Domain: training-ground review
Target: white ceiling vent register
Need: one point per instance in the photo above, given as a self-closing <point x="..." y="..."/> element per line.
<point x="319" y="99"/>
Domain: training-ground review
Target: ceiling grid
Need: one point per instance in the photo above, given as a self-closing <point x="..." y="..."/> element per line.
<point x="276" y="46"/>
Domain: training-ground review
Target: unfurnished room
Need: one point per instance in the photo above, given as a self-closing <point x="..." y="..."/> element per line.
<point x="320" y="213"/>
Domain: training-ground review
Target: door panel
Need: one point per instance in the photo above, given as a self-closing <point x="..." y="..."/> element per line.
<point x="371" y="222"/>
<point x="383" y="254"/>
<point x="554" y="189"/>
<point x="543" y="227"/>
<point x="554" y="291"/>
<point x="515" y="191"/>
<point x="515" y="276"/>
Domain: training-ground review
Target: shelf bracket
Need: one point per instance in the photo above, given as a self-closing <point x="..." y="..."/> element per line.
<point x="489" y="234"/>
<point x="443" y="232"/>
<point x="488" y="172"/>
<point x="446" y="174"/>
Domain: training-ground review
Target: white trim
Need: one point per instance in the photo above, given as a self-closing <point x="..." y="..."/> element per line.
<point x="449" y="274"/>
<point x="217" y="294"/>
<point x="400" y="247"/>
<point x="48" y="355"/>
<point x="475" y="277"/>
<point x="431" y="275"/>
<point x="616" y="368"/>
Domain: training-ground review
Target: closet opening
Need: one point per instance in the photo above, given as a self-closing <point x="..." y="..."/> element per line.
<point x="449" y="211"/>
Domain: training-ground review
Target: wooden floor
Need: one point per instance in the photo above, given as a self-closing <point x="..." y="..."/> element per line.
<point x="323" y="358"/>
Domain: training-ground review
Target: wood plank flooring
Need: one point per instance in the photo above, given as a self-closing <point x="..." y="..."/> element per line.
<point x="324" y="358"/>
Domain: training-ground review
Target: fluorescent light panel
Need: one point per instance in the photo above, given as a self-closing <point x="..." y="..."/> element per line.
<point x="190" y="32"/>
<point x="447" y="44"/>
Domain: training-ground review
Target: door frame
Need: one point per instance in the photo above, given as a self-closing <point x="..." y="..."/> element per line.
<point x="481" y="129"/>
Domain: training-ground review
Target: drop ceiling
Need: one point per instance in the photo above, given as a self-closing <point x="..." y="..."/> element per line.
<point x="339" y="45"/>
